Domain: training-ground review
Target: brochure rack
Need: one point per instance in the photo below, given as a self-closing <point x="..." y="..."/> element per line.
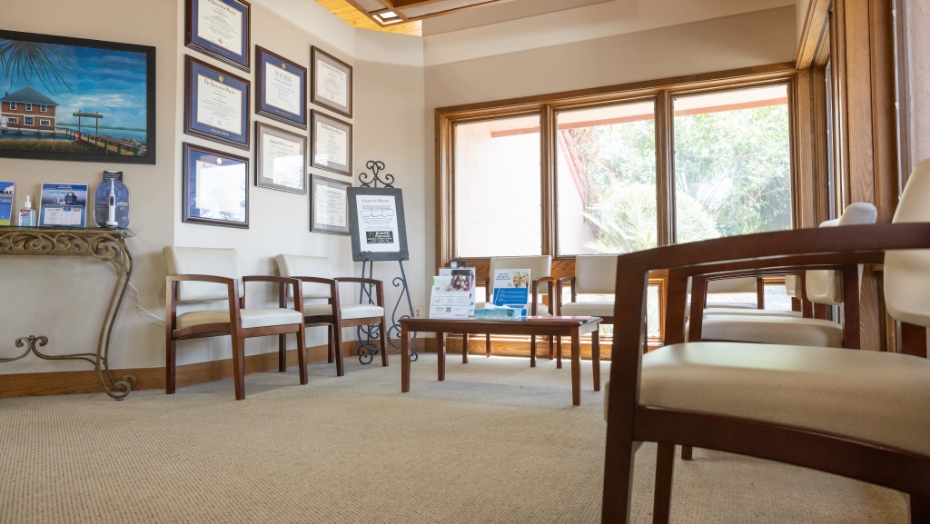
<point x="366" y="334"/>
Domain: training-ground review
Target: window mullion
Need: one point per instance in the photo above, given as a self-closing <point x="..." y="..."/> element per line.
<point x="665" y="167"/>
<point x="548" y="164"/>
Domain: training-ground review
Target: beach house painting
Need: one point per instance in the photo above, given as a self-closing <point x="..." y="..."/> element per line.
<point x="74" y="99"/>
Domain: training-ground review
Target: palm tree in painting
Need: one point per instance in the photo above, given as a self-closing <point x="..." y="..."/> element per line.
<point x="31" y="61"/>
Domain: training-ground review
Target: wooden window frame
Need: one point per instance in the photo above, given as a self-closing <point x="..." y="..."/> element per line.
<point x="546" y="106"/>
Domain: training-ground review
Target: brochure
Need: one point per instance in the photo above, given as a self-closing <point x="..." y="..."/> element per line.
<point x="511" y="279"/>
<point x="63" y="205"/>
<point x="6" y="203"/>
<point x="463" y="279"/>
<point x="449" y="300"/>
<point x="513" y="297"/>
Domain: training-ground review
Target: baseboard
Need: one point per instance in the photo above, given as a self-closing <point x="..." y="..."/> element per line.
<point x="72" y="382"/>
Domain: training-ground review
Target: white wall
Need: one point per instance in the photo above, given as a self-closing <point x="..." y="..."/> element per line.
<point x="918" y="44"/>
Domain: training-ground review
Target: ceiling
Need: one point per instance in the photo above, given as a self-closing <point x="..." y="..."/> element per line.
<point x="406" y="16"/>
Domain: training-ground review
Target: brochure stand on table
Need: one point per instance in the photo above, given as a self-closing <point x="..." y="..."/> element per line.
<point x="378" y="229"/>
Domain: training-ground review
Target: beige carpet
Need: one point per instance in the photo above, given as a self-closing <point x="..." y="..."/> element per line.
<point x="497" y="442"/>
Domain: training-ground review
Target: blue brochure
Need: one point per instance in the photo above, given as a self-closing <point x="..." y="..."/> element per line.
<point x="6" y="203"/>
<point x="512" y="297"/>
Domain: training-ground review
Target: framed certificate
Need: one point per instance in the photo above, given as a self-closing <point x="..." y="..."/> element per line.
<point x="216" y="104"/>
<point x="216" y="187"/>
<point x="332" y="82"/>
<point x="280" y="89"/>
<point x="280" y="160"/>
<point x="221" y="29"/>
<point x="329" y="206"/>
<point x="331" y="144"/>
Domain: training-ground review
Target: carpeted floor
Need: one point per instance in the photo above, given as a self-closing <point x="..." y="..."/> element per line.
<point x="497" y="442"/>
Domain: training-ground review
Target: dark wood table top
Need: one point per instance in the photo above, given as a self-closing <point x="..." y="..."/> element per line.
<point x="531" y="326"/>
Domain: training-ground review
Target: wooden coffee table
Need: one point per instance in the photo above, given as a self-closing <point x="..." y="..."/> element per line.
<point x="572" y="327"/>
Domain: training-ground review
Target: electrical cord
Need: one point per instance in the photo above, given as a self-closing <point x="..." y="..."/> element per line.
<point x="158" y="320"/>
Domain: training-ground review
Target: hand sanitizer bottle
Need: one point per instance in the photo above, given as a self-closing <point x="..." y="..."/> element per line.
<point x="27" y="215"/>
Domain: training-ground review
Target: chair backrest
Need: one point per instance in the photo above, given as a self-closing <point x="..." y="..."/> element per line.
<point x="304" y="266"/>
<point x="732" y="285"/>
<point x="596" y="274"/>
<point x="793" y="286"/>
<point x="539" y="266"/>
<point x="203" y="261"/>
<point x="907" y="272"/>
<point x="826" y="286"/>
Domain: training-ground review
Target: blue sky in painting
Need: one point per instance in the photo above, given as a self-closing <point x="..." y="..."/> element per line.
<point x="112" y="83"/>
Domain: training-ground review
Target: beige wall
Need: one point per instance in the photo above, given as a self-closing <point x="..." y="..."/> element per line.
<point x="918" y="50"/>
<point x="763" y="37"/>
<point x="802" y="7"/>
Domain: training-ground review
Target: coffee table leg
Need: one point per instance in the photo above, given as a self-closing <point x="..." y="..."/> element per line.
<point x="404" y="359"/>
<point x="558" y="352"/>
<point x="551" y="348"/>
<point x="596" y="357"/>
<point x="576" y="367"/>
<point x="533" y="351"/>
<point x="464" y="348"/>
<point x="487" y="345"/>
<point x="441" y="357"/>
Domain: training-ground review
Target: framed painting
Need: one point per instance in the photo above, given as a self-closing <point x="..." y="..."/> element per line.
<point x="281" y="159"/>
<point x="216" y="187"/>
<point x="330" y="143"/>
<point x="280" y="89"/>
<point x="221" y="29"/>
<point x="216" y="104"/>
<point x="329" y="206"/>
<point x="332" y="82"/>
<point x="76" y="99"/>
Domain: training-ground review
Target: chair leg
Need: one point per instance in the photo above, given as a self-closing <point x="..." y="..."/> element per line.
<point x="487" y="345"/>
<point x="384" y="346"/>
<point x="918" y="511"/>
<point x="336" y="348"/>
<point x="618" y="476"/>
<point x="331" y="341"/>
<point x="302" y="353"/>
<point x="686" y="452"/>
<point x="665" y="467"/>
<point x="238" y="349"/>
<point x="170" y="365"/>
<point x="282" y="352"/>
<point x="558" y="352"/>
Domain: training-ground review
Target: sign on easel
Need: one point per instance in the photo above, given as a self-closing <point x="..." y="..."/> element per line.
<point x="378" y="229"/>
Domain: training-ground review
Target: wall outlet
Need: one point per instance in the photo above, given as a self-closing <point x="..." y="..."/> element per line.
<point x="418" y="312"/>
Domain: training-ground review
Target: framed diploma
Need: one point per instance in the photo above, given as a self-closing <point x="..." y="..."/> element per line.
<point x="377" y="225"/>
<point x="329" y="206"/>
<point x="331" y="144"/>
<point x="332" y="82"/>
<point x="280" y="160"/>
<point x="280" y="89"/>
<point x="221" y="29"/>
<point x="216" y="104"/>
<point x="216" y="187"/>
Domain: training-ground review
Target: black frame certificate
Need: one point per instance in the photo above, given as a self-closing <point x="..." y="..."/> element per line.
<point x="281" y="159"/>
<point x="331" y="143"/>
<point x="329" y="206"/>
<point x="378" y="228"/>
<point x="280" y="88"/>
<point x="332" y="82"/>
<point x="221" y="29"/>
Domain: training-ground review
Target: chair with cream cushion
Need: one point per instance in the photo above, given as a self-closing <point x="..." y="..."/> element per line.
<point x="860" y="414"/>
<point x="594" y="275"/>
<point x="318" y="284"/>
<point x="202" y="276"/>
<point x="540" y="270"/>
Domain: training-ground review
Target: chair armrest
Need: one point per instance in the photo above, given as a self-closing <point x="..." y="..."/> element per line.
<point x="171" y="296"/>
<point x="379" y="287"/>
<point x="281" y="281"/>
<point x="560" y="285"/>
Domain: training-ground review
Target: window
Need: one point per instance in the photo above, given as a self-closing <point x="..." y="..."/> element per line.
<point x="28" y="107"/>
<point x="606" y="179"/>
<point x="732" y="163"/>
<point x="43" y="108"/>
<point x="12" y="105"/>
<point x="45" y="122"/>
<point x="497" y="188"/>
<point x="29" y="120"/>
<point x="12" y="120"/>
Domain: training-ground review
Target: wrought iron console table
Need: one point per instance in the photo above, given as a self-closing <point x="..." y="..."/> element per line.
<point x="104" y="244"/>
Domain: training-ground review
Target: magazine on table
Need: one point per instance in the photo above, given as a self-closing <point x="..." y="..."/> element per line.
<point x="450" y="299"/>
<point x="511" y="287"/>
<point x="463" y="279"/>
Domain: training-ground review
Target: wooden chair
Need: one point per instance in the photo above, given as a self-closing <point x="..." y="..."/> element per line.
<point x="203" y="276"/>
<point x="860" y="414"/>
<point x="596" y="275"/>
<point x="318" y="284"/>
